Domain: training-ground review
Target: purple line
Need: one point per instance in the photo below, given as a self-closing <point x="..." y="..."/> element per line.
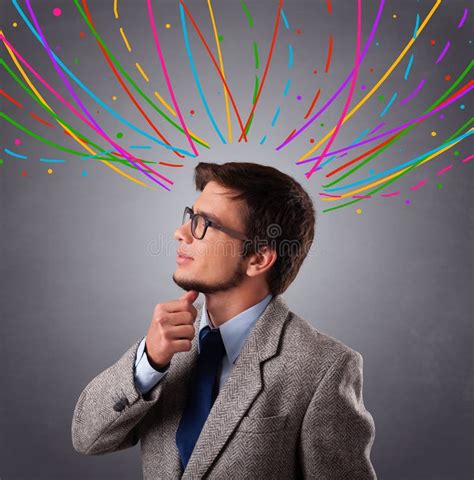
<point x="78" y="100"/>
<point x="394" y="130"/>
<point x="413" y="94"/>
<point x="378" y="127"/>
<point x="463" y="19"/>
<point x="346" y="81"/>
<point x="445" y="49"/>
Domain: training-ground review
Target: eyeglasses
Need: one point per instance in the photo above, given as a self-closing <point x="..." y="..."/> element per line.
<point x="200" y="223"/>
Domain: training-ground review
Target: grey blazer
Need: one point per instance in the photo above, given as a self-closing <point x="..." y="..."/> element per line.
<point x="291" y="408"/>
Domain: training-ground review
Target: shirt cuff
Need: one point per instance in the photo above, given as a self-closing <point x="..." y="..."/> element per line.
<point x="146" y="377"/>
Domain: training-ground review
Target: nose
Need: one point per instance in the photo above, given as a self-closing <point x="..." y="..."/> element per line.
<point x="183" y="232"/>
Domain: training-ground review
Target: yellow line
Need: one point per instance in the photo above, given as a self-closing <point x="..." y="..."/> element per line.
<point x="78" y="140"/>
<point x="216" y="36"/>
<point x="326" y="199"/>
<point x="115" y="9"/>
<point x="375" y="88"/>
<point x="125" y="39"/>
<point x="141" y="71"/>
<point x="161" y="99"/>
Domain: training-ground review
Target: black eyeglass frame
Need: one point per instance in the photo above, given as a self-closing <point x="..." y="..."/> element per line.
<point x="210" y="223"/>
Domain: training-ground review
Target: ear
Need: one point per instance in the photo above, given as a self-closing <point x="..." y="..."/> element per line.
<point x="261" y="261"/>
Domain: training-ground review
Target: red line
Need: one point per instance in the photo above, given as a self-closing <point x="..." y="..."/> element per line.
<point x="329" y="6"/>
<point x="171" y="164"/>
<point x="275" y="31"/>
<point x="313" y="103"/>
<point x="44" y="122"/>
<point x="203" y="40"/>
<point x="5" y="94"/>
<point x="290" y="135"/>
<point x="328" y="61"/>
<point x="111" y="65"/>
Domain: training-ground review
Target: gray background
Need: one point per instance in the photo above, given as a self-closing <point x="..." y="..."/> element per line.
<point x="84" y="260"/>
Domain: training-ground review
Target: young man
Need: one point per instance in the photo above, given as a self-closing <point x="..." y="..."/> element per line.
<point x="239" y="386"/>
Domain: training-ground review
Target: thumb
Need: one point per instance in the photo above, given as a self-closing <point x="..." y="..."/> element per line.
<point x="190" y="296"/>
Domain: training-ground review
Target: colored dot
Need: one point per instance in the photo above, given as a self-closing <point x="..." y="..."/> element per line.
<point x="1" y="161"/>
<point x="470" y="42"/>
<point x="76" y="61"/>
<point x="23" y="173"/>
<point x="433" y="41"/>
<point x="447" y="77"/>
<point x="298" y="31"/>
<point x="57" y="12"/>
<point x="359" y="211"/>
<point x="84" y="173"/>
<point x="462" y="107"/>
<point x="298" y="98"/>
<point x="119" y="135"/>
<point x="14" y="24"/>
<point x="168" y="25"/>
<point x="441" y="116"/>
<point x="315" y="72"/>
<point x="97" y="112"/>
<point x="407" y="202"/>
<point x="322" y="124"/>
<point x="381" y="98"/>
<point x="377" y="44"/>
<point x="371" y="70"/>
<point x="221" y="38"/>
<point x="50" y="171"/>
<point x="456" y="153"/>
<point x="17" y="141"/>
<point x="114" y="97"/>
<point x="440" y="186"/>
<point x="363" y="87"/>
<point x="433" y="134"/>
<point x="311" y="140"/>
<point x="394" y="15"/>
<point x="82" y="34"/>
<point x="191" y="112"/>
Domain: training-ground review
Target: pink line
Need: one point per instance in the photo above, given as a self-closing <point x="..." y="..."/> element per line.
<point x="470" y="157"/>
<point x="328" y="195"/>
<point x="349" y="98"/>
<point x="445" y="49"/>
<point x="449" y="167"/>
<point x="419" y="184"/>
<point x="390" y="194"/>
<point x="167" y="78"/>
<point x="463" y="19"/>
<point x="413" y="94"/>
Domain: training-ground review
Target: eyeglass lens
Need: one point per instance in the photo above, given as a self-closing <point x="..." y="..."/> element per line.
<point x="197" y="226"/>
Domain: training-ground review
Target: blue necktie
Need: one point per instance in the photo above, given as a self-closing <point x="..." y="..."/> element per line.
<point x="203" y="392"/>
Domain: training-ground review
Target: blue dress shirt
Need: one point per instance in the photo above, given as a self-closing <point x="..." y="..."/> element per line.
<point x="234" y="333"/>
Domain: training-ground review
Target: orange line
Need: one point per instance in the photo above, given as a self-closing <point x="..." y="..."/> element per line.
<point x="44" y="122"/>
<point x="328" y="61"/>
<point x="5" y="94"/>
<point x="308" y="113"/>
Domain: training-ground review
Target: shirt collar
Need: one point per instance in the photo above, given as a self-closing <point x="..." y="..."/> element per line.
<point x="234" y="331"/>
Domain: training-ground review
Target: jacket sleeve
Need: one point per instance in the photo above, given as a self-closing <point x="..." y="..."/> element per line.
<point x="109" y="410"/>
<point x="337" y="432"/>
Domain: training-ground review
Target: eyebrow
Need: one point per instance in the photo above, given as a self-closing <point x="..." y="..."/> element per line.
<point x="210" y="215"/>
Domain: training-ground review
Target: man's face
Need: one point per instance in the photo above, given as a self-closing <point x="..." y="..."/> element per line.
<point x="216" y="265"/>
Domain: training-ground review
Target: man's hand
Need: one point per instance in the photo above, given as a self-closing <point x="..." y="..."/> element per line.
<point x="171" y="329"/>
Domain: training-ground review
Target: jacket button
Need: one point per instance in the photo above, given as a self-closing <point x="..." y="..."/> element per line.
<point x="121" y="404"/>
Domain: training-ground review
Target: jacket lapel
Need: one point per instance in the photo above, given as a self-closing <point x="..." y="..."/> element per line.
<point x="242" y="386"/>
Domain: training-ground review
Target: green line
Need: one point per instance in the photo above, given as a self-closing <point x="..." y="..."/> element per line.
<point x="255" y="89"/>
<point x="406" y="130"/>
<point x="455" y="134"/>
<point x="255" y="53"/>
<point x="59" y="147"/>
<point x="249" y="16"/>
<point x="127" y="76"/>
<point x="384" y="185"/>
<point x="248" y="126"/>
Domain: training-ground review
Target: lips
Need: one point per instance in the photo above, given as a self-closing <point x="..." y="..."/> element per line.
<point x="181" y="254"/>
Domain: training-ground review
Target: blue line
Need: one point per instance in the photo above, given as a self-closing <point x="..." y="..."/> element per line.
<point x="275" y="116"/>
<point x="389" y="104"/>
<point x="51" y="160"/>
<point x="401" y="167"/>
<point x="13" y="154"/>
<point x="362" y="135"/>
<point x="290" y="59"/>
<point x="407" y="71"/>
<point x="285" y="21"/>
<point x="417" y="24"/>
<point x="195" y="75"/>
<point x="143" y="147"/>
<point x="91" y="94"/>
<point x="263" y="140"/>
<point x="287" y="87"/>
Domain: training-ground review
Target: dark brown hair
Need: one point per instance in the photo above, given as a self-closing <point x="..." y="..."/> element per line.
<point x="278" y="212"/>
